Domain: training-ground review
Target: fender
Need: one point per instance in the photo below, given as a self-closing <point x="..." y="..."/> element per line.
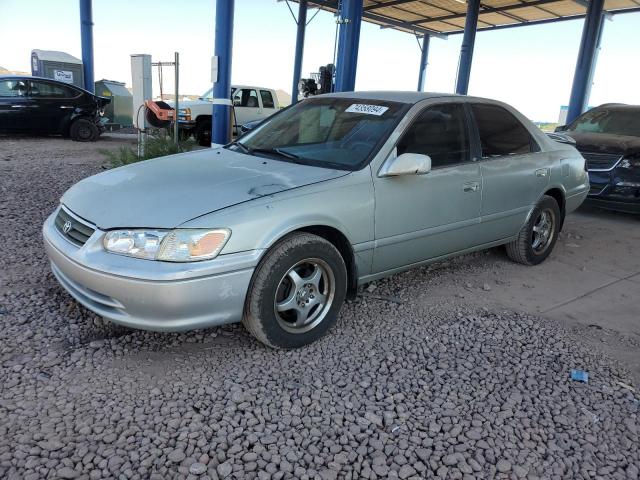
<point x="549" y="188"/>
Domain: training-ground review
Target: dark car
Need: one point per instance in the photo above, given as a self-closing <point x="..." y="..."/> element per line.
<point x="608" y="137"/>
<point x="44" y="106"/>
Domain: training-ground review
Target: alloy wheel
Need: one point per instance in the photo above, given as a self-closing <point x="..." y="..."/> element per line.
<point x="543" y="231"/>
<point x="304" y="295"/>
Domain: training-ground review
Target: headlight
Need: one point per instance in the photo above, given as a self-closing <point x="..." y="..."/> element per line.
<point x="184" y="114"/>
<point x="181" y="245"/>
<point x="629" y="163"/>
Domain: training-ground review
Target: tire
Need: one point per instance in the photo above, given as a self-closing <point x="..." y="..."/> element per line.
<point x="83" y="130"/>
<point x="538" y="236"/>
<point x="183" y="135"/>
<point x="203" y="133"/>
<point x="278" y="298"/>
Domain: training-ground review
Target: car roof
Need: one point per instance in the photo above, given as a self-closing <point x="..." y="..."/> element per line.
<point x="250" y="86"/>
<point x="617" y="106"/>
<point x="33" y="77"/>
<point x="57" y="82"/>
<point x="402" y="96"/>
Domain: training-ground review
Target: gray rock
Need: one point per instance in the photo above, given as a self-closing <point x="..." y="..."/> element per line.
<point x="67" y="472"/>
<point x="406" y="471"/>
<point x="176" y="456"/>
<point x="224" y="470"/>
<point x="197" y="468"/>
<point x="503" y="466"/>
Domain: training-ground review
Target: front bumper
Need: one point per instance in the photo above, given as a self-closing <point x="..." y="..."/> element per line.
<point x="618" y="189"/>
<point x="609" y="204"/>
<point x="150" y="295"/>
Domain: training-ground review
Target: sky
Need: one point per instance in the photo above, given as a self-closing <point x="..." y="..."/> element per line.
<point x="530" y="68"/>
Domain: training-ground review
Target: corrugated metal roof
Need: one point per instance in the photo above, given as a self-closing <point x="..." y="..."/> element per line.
<point x="448" y="16"/>
<point x="53" y="56"/>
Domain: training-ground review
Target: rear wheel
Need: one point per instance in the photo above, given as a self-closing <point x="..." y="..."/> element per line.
<point x="84" y="130"/>
<point x="296" y="292"/>
<point x="538" y="236"/>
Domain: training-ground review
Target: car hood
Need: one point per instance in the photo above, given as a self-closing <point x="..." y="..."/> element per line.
<point x="606" y="143"/>
<point x="189" y="103"/>
<point x="166" y="192"/>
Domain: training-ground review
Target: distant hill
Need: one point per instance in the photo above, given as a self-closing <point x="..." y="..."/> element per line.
<point x="4" y="71"/>
<point x="284" y="99"/>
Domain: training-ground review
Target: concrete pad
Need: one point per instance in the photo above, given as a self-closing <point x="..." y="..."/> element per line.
<point x="635" y="278"/>
<point x="601" y="241"/>
<point x="616" y="306"/>
<point x="537" y="289"/>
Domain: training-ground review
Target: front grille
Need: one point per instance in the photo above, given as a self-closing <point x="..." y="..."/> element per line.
<point x="73" y="229"/>
<point x="601" y="161"/>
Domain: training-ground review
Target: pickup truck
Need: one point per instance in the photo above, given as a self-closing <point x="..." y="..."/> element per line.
<point x="249" y="104"/>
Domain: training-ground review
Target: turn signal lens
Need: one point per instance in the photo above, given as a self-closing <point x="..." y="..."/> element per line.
<point x="192" y="245"/>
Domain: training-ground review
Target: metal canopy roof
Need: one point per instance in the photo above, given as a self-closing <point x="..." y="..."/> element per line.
<point x="442" y="17"/>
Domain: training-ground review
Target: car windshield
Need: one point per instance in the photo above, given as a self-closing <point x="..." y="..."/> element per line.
<point x="327" y="132"/>
<point x="615" y="121"/>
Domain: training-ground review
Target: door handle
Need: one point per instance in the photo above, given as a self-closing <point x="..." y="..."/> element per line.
<point x="18" y="106"/>
<point x="542" y="172"/>
<point x="471" y="187"/>
<point x="66" y="106"/>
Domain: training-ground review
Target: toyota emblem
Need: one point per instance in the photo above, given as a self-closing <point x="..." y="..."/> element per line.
<point x="66" y="227"/>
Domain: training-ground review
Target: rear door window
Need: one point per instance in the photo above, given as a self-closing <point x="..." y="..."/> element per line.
<point x="13" y="88"/>
<point x="267" y="99"/>
<point x="50" y="90"/>
<point x="440" y="132"/>
<point x="500" y="132"/>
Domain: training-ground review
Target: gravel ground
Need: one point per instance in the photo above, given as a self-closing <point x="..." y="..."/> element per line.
<point x="399" y="389"/>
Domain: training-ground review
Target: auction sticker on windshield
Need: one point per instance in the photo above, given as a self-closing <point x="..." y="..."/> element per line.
<point x="367" y="109"/>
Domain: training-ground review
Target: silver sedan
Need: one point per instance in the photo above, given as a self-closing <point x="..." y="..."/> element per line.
<point x="278" y="228"/>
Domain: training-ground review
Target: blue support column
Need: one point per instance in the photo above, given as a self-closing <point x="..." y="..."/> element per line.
<point x="297" y="67"/>
<point x="466" y="50"/>
<point x="585" y="66"/>
<point x="86" y="39"/>
<point x="221" y="128"/>
<point x="424" y="58"/>
<point x="348" y="45"/>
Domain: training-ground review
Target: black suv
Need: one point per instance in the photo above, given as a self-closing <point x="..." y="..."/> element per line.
<point x="42" y="105"/>
<point x="608" y="137"/>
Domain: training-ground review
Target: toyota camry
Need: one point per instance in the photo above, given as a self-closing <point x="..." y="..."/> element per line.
<point x="278" y="228"/>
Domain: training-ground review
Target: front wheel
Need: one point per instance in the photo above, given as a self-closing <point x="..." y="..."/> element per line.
<point x="538" y="236"/>
<point x="296" y="292"/>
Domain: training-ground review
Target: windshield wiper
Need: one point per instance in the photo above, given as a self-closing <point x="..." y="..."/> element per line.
<point x="271" y="151"/>
<point x="277" y="151"/>
<point x="242" y="147"/>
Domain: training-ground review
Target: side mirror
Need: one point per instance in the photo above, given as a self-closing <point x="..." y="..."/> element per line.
<point x="406" y="164"/>
<point x="562" y="138"/>
<point x="560" y="128"/>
